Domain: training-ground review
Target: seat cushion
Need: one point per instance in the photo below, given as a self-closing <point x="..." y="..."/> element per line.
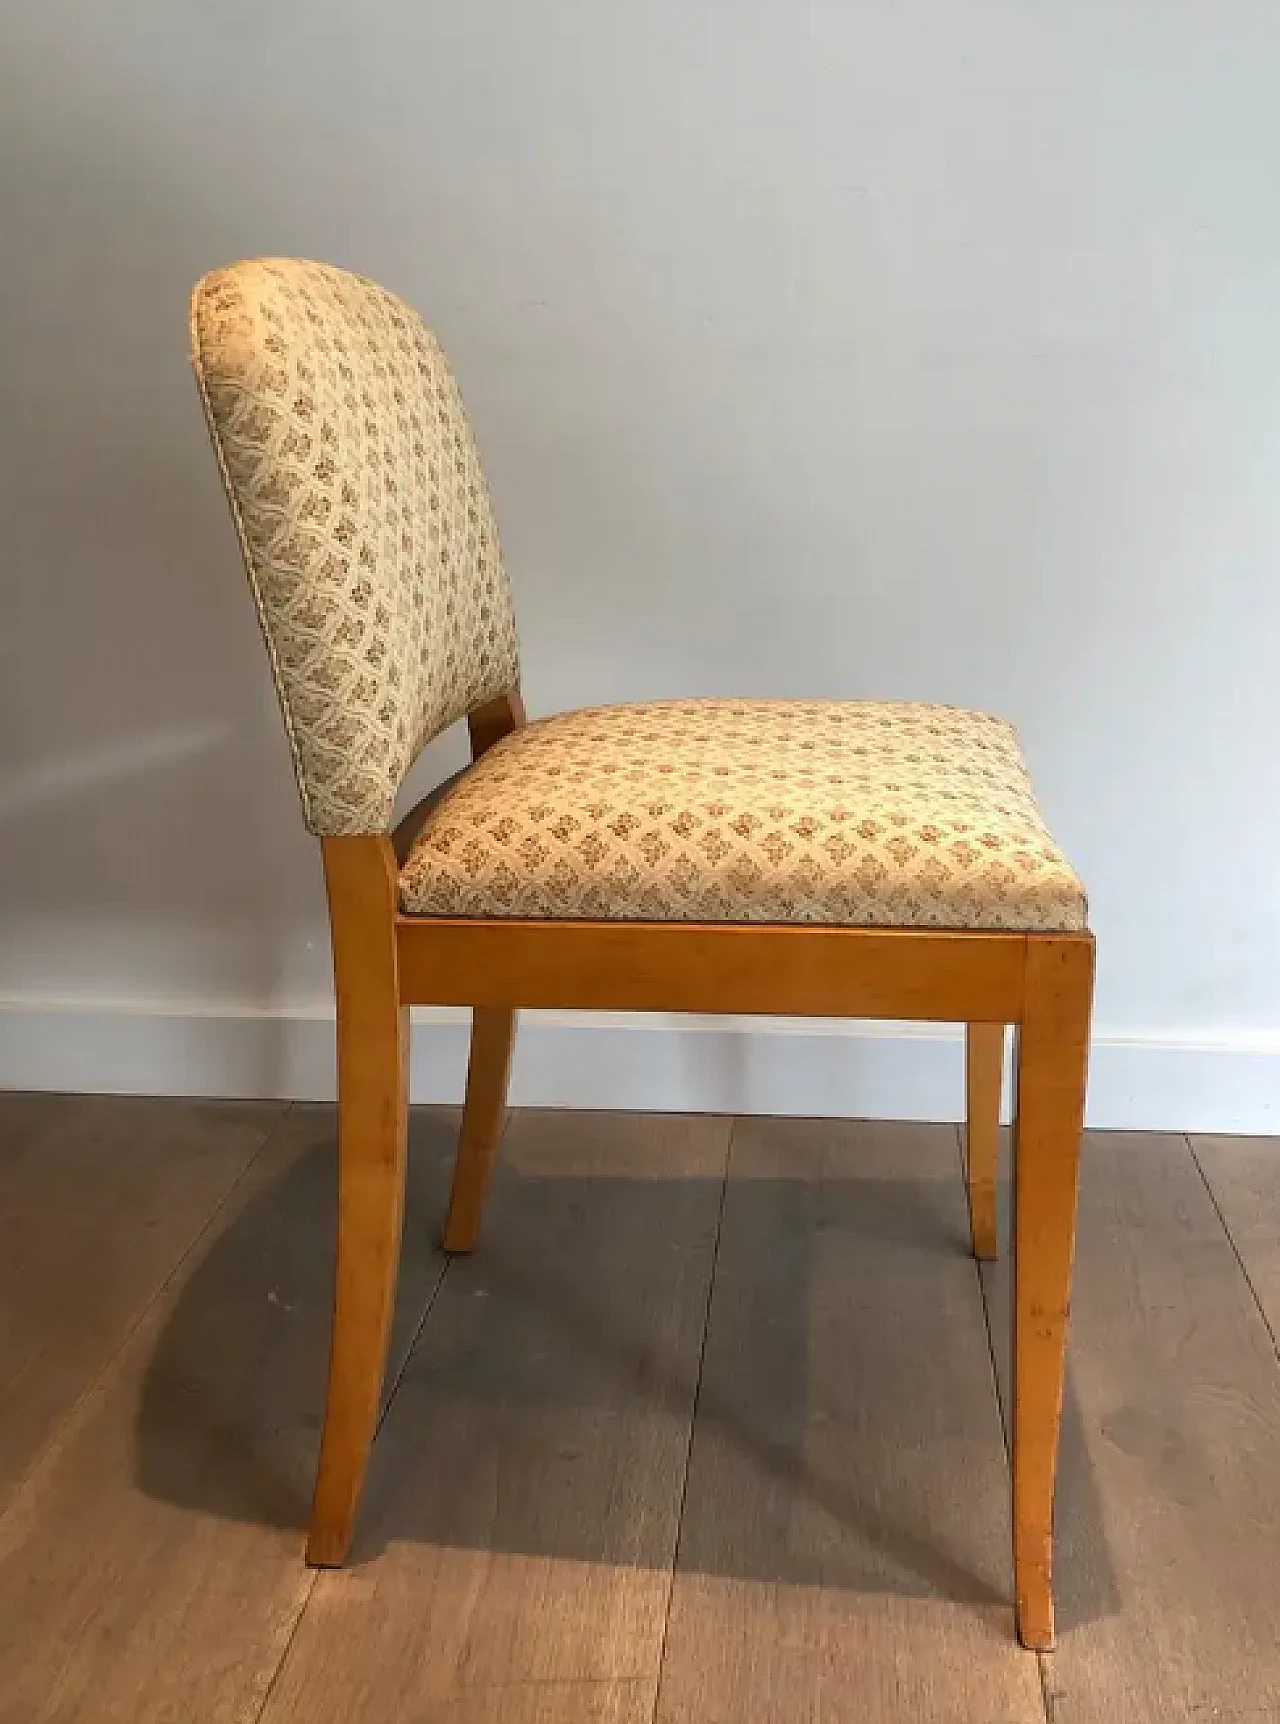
<point x="857" y="814"/>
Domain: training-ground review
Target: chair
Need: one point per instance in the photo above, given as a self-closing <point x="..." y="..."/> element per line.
<point x="823" y="858"/>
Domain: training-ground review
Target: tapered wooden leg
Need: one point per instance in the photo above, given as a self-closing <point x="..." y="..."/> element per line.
<point x="1053" y="1042"/>
<point x="373" y="1099"/>
<point x="493" y="1034"/>
<point x="984" y="1074"/>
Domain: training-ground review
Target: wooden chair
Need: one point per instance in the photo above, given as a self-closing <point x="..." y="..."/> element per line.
<point x="826" y="858"/>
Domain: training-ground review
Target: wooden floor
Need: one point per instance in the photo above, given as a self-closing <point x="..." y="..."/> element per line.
<point x="710" y="1430"/>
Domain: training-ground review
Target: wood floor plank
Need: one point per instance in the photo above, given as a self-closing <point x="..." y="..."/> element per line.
<point x="515" y="1553"/>
<point x="551" y="1703"/>
<point x="844" y="1548"/>
<point x="1243" y="1174"/>
<point x="1168" y="1520"/>
<point x="100" y="1196"/>
<point x="151" y="1563"/>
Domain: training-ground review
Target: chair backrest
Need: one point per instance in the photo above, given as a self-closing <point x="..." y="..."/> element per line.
<point x="364" y="519"/>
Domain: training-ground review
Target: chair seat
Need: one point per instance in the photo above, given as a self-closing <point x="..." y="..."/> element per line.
<point x="857" y="814"/>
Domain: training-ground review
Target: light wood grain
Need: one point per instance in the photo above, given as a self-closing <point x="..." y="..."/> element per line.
<point x="373" y="1104"/>
<point x="1051" y="1061"/>
<point x="844" y="1546"/>
<point x="150" y="1564"/>
<point x="628" y="1702"/>
<point x="984" y="1076"/>
<point x="1169" y="1497"/>
<point x="489" y="723"/>
<point x="706" y="967"/>
<point x="521" y="1537"/>
<point x="99" y="1199"/>
<point x="493" y="1034"/>
<point x="848" y="1555"/>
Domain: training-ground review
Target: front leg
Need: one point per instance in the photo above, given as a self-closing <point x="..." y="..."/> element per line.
<point x="1053" y="1051"/>
<point x="373" y="1116"/>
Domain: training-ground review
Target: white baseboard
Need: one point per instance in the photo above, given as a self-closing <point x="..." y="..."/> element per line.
<point x="667" y="1064"/>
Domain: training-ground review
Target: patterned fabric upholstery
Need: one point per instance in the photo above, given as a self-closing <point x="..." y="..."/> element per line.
<point x="364" y="521"/>
<point x="856" y="814"/>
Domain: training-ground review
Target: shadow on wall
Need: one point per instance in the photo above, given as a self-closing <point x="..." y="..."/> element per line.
<point x="545" y="1408"/>
<point x="144" y="783"/>
<point x="146" y="796"/>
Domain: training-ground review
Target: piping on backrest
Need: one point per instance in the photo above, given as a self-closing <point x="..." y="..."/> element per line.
<point x="364" y="520"/>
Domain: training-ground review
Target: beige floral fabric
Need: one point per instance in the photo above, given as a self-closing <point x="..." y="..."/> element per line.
<point x="364" y="520"/>
<point x="858" y="814"/>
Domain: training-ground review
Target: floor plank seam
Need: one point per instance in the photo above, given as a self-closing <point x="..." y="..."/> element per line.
<point x="1235" y="1249"/>
<point x="67" y="1420"/>
<point x="151" y="1555"/>
<point x="1043" y="1659"/>
<point x="390" y="1395"/>
<point x="693" y="1421"/>
<point x="287" y="1648"/>
<point x="986" y="1324"/>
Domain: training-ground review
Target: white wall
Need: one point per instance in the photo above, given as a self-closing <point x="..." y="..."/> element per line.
<point x="927" y="349"/>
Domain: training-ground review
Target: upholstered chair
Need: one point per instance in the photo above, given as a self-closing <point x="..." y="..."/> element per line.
<point x="832" y="858"/>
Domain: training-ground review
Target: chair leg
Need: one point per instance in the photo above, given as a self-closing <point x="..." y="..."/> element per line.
<point x="984" y="1074"/>
<point x="373" y="1106"/>
<point x="1052" y="1059"/>
<point x="493" y="1034"/>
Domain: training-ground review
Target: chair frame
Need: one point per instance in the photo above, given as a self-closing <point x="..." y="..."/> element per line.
<point x="385" y="962"/>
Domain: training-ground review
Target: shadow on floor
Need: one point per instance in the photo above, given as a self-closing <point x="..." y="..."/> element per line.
<point x="847" y="1432"/>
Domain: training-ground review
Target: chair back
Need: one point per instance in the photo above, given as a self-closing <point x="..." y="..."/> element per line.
<point x="364" y="521"/>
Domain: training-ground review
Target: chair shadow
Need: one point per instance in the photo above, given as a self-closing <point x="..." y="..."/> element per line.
<point x="544" y="1408"/>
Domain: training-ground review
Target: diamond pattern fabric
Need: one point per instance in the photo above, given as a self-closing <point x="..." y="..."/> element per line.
<point x="370" y="544"/>
<point x="364" y="521"/>
<point x="856" y="814"/>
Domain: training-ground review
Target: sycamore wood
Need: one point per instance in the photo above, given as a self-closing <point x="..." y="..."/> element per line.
<point x="712" y="967"/>
<point x="373" y="1118"/>
<point x="384" y="962"/>
<point x="1052" y="1059"/>
<point x="493" y="1035"/>
<point x="497" y="718"/>
<point x="984" y="1074"/>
